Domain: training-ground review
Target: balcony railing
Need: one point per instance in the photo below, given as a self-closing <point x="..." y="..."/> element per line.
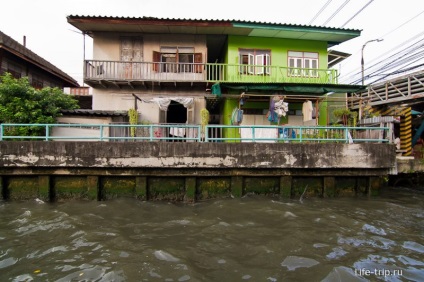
<point x="195" y="133"/>
<point x="95" y="70"/>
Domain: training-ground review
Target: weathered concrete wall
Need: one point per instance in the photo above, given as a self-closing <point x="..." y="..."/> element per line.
<point x="189" y="171"/>
<point x="409" y="165"/>
<point x="196" y="155"/>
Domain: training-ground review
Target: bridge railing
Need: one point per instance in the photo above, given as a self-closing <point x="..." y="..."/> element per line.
<point x="193" y="133"/>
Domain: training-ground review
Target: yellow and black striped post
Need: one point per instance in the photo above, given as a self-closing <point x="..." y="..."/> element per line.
<point x="406" y="131"/>
<point x="405" y="125"/>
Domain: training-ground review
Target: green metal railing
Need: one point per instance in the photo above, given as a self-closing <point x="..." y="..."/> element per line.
<point x="204" y="72"/>
<point x="195" y="133"/>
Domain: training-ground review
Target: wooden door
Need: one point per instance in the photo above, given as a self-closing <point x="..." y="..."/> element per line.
<point x="131" y="57"/>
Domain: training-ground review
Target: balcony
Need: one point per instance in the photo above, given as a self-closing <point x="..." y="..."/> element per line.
<point x="142" y="74"/>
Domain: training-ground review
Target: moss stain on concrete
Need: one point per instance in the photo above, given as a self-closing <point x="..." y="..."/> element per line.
<point x="209" y="188"/>
<point x="307" y="186"/>
<point x="166" y="188"/>
<point x="70" y="187"/>
<point x="23" y="188"/>
<point x="259" y="185"/>
<point x="115" y="187"/>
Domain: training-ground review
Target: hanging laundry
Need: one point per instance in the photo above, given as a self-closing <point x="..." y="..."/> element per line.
<point x="236" y="116"/>
<point x="277" y="108"/>
<point x="281" y="108"/>
<point x="272" y="115"/>
<point x="307" y="109"/>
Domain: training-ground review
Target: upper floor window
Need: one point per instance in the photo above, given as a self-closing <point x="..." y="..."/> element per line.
<point x="14" y="70"/>
<point x="303" y="63"/>
<point x="255" y="61"/>
<point x="177" y="60"/>
<point x="37" y="82"/>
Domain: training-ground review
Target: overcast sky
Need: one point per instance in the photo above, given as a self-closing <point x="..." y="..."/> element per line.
<point x="399" y="23"/>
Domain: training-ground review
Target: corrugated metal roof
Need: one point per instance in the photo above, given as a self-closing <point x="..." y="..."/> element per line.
<point x="205" y="20"/>
<point x="85" y="112"/>
<point x="152" y="25"/>
<point x="11" y="45"/>
<point x="211" y="27"/>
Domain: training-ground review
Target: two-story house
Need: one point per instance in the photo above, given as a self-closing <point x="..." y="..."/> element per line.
<point x="242" y="72"/>
<point x="18" y="60"/>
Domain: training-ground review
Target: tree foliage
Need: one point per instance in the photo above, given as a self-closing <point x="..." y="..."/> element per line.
<point x="21" y="103"/>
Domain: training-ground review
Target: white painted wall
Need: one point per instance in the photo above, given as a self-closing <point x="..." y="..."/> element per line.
<point x="106" y="46"/>
<point x="81" y="132"/>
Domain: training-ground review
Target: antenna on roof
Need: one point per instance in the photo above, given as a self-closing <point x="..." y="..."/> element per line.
<point x="24" y="41"/>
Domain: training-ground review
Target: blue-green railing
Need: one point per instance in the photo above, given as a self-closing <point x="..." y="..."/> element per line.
<point x="197" y="133"/>
<point x="272" y="133"/>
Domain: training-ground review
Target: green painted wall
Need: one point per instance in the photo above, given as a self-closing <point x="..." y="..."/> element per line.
<point x="327" y="106"/>
<point x="279" y="48"/>
<point x="229" y="106"/>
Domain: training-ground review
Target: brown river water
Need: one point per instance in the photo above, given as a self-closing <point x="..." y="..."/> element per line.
<point x="254" y="238"/>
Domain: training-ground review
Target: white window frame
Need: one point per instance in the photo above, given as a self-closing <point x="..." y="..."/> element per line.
<point x="258" y="61"/>
<point x="175" y="54"/>
<point x="303" y="63"/>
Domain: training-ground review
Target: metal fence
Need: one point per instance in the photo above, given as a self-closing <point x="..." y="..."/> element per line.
<point x="194" y="133"/>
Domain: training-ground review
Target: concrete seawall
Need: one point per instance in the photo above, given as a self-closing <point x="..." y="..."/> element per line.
<point x="190" y="171"/>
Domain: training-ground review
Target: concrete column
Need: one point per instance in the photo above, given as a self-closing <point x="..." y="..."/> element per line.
<point x="93" y="187"/>
<point x="141" y="188"/>
<point x="329" y="187"/>
<point x="237" y="186"/>
<point x="190" y="189"/>
<point x="374" y="185"/>
<point x="285" y="186"/>
<point x="44" y="186"/>
<point x="3" y="188"/>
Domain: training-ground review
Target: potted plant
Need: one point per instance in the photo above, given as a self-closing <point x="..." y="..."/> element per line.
<point x="346" y="116"/>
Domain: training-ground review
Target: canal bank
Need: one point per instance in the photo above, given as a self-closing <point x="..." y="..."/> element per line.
<point x="190" y="172"/>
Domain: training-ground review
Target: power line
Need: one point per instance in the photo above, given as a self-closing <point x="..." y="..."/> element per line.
<point x="320" y="11"/>
<point x="404" y="23"/>
<point x="406" y="57"/>
<point x="397" y="65"/>
<point x="351" y="74"/>
<point x="407" y="61"/>
<point x="336" y="12"/>
<point x="385" y="76"/>
<point x="357" y="13"/>
<point x="400" y="54"/>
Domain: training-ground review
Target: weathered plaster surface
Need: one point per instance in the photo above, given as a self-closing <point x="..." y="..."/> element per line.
<point x="196" y="155"/>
